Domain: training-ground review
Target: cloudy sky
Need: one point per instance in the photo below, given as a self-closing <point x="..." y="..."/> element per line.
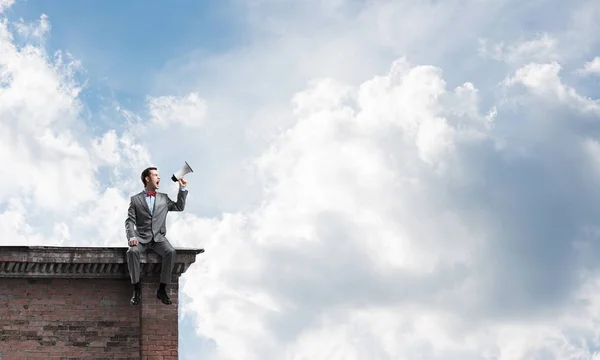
<point x="373" y="179"/>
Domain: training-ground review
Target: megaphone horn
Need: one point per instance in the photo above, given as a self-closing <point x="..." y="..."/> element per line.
<point x="181" y="173"/>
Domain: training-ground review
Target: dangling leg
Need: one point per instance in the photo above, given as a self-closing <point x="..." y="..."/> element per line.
<point x="133" y="264"/>
<point x="167" y="252"/>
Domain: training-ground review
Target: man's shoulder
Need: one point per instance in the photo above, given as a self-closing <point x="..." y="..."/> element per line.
<point x="136" y="194"/>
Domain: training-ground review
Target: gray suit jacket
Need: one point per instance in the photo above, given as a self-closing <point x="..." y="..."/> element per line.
<point x="145" y="227"/>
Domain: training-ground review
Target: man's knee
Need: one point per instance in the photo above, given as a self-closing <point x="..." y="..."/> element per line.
<point x="170" y="251"/>
<point x="133" y="251"/>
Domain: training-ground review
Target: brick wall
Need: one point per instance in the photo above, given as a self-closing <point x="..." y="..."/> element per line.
<point x="68" y="318"/>
<point x="73" y="303"/>
<point x="159" y="323"/>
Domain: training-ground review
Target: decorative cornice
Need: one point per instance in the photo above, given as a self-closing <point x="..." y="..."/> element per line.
<point x="83" y="262"/>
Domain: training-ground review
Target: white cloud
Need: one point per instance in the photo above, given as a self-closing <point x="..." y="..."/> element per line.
<point x="14" y="226"/>
<point x="544" y="80"/>
<point x="189" y="110"/>
<point x="544" y="48"/>
<point x="38" y="31"/>
<point x="107" y="148"/>
<point x="591" y="67"/>
<point x="363" y="249"/>
<point x="5" y="4"/>
<point x="39" y="107"/>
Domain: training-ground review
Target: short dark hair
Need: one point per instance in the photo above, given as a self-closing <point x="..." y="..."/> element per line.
<point x="145" y="173"/>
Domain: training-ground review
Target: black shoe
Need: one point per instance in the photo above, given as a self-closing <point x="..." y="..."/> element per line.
<point x="137" y="296"/>
<point x="162" y="296"/>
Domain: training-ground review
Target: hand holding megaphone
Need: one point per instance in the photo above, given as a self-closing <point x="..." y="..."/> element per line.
<point x="186" y="169"/>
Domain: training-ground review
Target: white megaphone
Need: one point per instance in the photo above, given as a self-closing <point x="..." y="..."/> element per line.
<point x="181" y="173"/>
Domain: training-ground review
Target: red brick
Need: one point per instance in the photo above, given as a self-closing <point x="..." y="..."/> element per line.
<point x="60" y="323"/>
<point x="44" y="315"/>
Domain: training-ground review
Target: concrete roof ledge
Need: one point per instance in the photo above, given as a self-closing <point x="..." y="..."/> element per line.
<point x="83" y="262"/>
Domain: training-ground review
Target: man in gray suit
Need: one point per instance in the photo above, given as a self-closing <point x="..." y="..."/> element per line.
<point x="146" y="229"/>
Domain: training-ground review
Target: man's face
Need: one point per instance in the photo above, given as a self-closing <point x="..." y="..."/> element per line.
<point x="153" y="179"/>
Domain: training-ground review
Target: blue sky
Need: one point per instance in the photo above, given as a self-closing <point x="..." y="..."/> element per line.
<point x="122" y="44"/>
<point x="373" y="179"/>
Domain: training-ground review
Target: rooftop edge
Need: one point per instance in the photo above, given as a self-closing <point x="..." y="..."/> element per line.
<point x="84" y="262"/>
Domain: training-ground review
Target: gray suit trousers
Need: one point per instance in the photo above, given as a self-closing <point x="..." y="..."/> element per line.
<point x="162" y="248"/>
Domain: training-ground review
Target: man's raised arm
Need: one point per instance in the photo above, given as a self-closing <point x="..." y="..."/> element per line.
<point x="181" y="195"/>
